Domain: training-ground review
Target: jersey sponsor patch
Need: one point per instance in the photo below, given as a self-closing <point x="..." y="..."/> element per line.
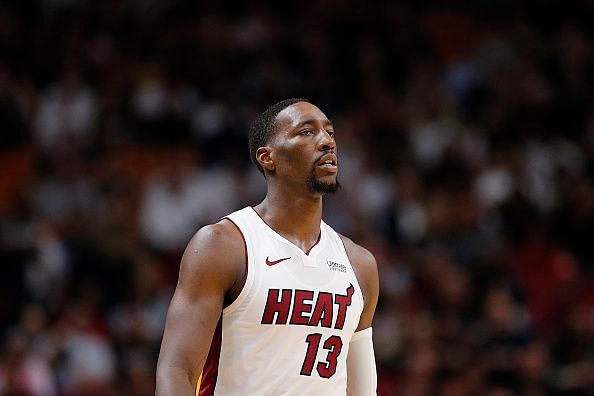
<point x="334" y="266"/>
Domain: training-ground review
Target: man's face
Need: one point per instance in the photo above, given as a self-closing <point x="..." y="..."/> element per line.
<point x="304" y="149"/>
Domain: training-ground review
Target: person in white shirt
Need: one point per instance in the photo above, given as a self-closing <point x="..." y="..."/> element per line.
<point x="270" y="299"/>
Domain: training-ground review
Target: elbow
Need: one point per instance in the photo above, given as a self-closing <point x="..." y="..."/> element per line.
<point x="171" y="380"/>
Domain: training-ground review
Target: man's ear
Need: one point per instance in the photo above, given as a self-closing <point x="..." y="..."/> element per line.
<point x="265" y="156"/>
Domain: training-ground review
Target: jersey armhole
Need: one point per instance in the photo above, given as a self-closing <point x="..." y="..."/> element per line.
<point x="358" y="289"/>
<point x="248" y="274"/>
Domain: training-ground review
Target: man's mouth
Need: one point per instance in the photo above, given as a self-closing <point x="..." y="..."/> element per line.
<point x="328" y="162"/>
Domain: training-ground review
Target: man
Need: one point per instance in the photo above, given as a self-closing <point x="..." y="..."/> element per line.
<point x="271" y="300"/>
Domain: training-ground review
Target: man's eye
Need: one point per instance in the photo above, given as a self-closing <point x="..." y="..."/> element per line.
<point x="330" y="132"/>
<point x="306" y="132"/>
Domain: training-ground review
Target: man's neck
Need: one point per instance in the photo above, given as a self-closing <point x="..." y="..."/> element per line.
<point x="296" y="219"/>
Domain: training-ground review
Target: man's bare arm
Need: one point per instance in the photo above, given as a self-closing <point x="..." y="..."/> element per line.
<point x="211" y="266"/>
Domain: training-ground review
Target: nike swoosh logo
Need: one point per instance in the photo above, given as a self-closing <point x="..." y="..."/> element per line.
<point x="271" y="263"/>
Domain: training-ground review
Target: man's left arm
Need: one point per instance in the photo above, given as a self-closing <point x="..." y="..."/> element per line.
<point x="361" y="369"/>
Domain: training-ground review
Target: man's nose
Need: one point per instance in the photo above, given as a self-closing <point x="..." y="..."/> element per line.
<point x="327" y="142"/>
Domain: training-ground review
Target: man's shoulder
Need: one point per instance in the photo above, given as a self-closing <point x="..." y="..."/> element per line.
<point x="358" y="255"/>
<point x="221" y="241"/>
<point x="222" y="232"/>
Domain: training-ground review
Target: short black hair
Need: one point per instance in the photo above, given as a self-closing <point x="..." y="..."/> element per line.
<point x="264" y="126"/>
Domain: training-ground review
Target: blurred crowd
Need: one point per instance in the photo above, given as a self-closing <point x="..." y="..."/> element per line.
<point x="466" y="144"/>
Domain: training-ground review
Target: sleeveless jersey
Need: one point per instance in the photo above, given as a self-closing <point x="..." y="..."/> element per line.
<point x="288" y="331"/>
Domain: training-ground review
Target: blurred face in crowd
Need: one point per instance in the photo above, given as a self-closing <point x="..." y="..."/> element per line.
<point x="303" y="150"/>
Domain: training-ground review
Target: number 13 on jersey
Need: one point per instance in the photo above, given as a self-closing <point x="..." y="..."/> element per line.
<point x="332" y="344"/>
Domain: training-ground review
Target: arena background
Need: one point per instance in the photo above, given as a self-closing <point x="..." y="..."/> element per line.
<point x="466" y="136"/>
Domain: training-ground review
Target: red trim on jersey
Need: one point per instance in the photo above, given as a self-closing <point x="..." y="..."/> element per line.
<point x="227" y="303"/>
<point x="211" y="367"/>
<point x="314" y="245"/>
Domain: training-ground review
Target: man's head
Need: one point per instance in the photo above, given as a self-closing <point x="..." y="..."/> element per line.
<point x="293" y="139"/>
<point x="264" y="127"/>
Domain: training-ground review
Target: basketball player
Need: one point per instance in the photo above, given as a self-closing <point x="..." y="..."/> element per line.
<point x="271" y="300"/>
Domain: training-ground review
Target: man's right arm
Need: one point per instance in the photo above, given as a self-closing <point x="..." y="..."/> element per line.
<point x="210" y="267"/>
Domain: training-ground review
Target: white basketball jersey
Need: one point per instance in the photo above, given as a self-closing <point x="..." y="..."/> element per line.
<point x="288" y="331"/>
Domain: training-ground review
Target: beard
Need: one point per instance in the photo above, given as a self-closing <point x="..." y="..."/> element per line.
<point x="321" y="187"/>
